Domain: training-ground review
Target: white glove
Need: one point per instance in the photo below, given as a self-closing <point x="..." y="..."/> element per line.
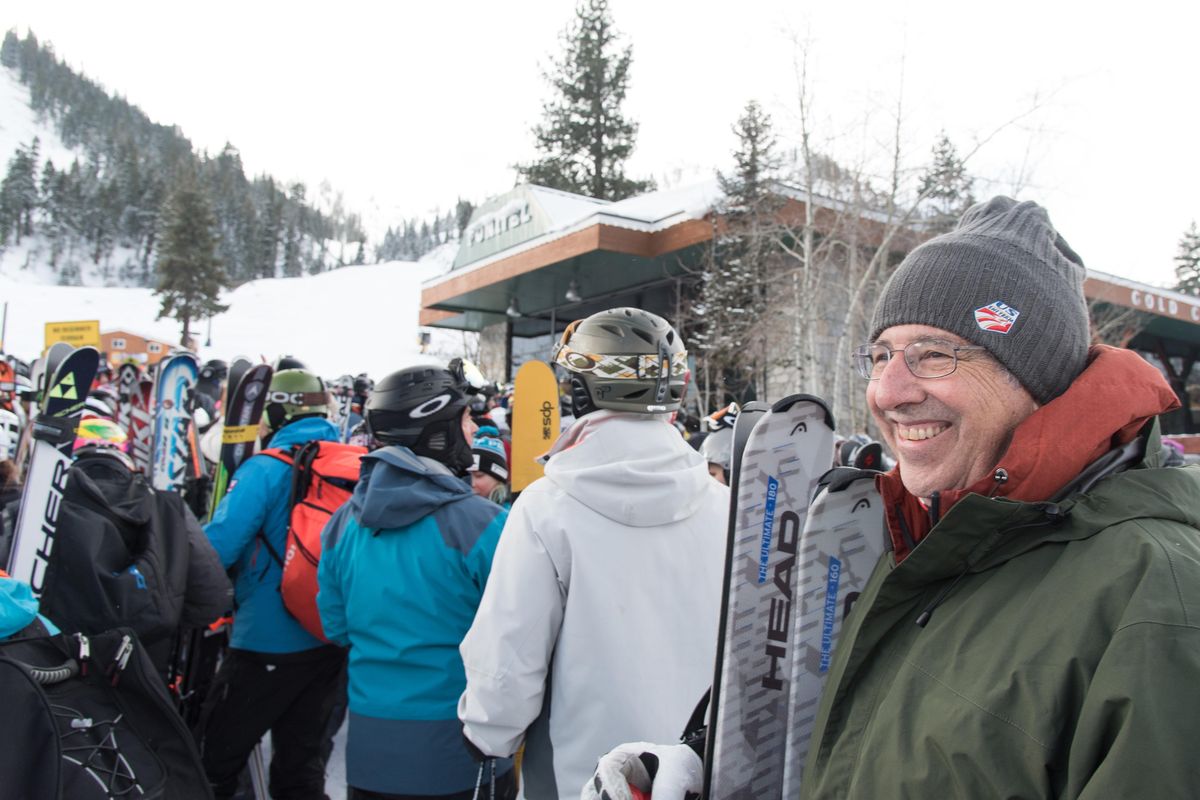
<point x="668" y="771"/>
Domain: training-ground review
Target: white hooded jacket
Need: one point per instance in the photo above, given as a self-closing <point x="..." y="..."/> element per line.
<point x="599" y="622"/>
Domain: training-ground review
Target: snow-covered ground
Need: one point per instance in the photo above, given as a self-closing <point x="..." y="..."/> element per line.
<point x="349" y="320"/>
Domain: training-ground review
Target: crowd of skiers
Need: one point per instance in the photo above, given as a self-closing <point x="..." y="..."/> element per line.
<point x="1030" y="633"/>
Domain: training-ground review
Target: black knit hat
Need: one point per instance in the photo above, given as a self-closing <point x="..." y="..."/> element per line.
<point x="1003" y="279"/>
<point x="489" y="457"/>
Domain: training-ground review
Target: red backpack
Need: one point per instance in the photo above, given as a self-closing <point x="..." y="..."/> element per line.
<point x="324" y="475"/>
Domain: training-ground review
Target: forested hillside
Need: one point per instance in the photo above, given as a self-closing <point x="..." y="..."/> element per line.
<point x="102" y="214"/>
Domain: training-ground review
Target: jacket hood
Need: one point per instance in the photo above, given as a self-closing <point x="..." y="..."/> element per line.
<point x="108" y="484"/>
<point x="304" y="430"/>
<point x="397" y="488"/>
<point x="18" y="607"/>
<point x="1106" y="407"/>
<point x="634" y="469"/>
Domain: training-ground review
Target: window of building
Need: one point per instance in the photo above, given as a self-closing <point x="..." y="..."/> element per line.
<point x="118" y="344"/>
<point x="153" y="347"/>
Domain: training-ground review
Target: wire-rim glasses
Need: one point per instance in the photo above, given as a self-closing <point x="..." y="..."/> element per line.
<point x="925" y="358"/>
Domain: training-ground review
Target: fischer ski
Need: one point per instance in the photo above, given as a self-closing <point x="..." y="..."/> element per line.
<point x="788" y="449"/>
<point x="172" y="418"/>
<point x="53" y="437"/>
<point x="842" y="541"/>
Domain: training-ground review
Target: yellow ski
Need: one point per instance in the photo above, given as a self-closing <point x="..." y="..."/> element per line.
<point x="534" y="421"/>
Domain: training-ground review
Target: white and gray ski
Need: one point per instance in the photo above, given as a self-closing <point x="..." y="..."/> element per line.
<point x="842" y="541"/>
<point x="789" y="448"/>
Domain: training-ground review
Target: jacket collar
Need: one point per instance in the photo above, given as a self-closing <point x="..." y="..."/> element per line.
<point x="1106" y="407"/>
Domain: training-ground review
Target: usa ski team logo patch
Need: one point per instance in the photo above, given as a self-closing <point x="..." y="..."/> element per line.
<point x="996" y="317"/>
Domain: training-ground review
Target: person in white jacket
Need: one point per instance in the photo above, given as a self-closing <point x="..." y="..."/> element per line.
<point x="599" y="621"/>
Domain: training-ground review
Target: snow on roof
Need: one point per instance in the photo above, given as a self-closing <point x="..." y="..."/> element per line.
<point x="568" y="213"/>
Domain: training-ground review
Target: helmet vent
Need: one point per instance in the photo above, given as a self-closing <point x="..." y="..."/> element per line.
<point x="670" y="337"/>
<point x="641" y="334"/>
<point x="613" y="329"/>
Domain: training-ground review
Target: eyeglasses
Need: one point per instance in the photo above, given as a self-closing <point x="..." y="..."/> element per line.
<point x="926" y="358"/>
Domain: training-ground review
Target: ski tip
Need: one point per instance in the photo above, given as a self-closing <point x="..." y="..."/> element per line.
<point x="783" y="405"/>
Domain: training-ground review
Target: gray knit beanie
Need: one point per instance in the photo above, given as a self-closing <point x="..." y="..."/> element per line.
<point x="1003" y="279"/>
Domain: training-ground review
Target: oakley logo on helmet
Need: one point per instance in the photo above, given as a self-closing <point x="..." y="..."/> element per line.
<point x="996" y="317"/>
<point x="431" y="406"/>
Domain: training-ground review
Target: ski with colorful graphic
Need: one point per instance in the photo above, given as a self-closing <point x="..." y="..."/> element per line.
<point x="173" y="389"/>
<point x="53" y="437"/>
<point x="141" y="423"/>
<point x="787" y="451"/>
<point x="534" y="419"/>
<point x="127" y="380"/>
<point x="843" y="538"/>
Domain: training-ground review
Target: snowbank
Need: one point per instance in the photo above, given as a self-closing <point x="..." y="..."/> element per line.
<point x="349" y="320"/>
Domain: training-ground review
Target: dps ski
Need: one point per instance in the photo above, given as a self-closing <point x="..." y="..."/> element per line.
<point x="842" y="541"/>
<point x="789" y="448"/>
<point x="534" y="421"/>
<point x="172" y="418"/>
<point x="53" y="432"/>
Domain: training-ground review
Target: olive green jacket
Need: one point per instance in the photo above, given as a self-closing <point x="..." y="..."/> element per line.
<point x="1061" y="656"/>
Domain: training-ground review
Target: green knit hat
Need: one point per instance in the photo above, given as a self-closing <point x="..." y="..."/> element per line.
<point x="1003" y="279"/>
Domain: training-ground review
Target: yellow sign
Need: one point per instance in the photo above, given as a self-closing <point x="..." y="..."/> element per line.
<point x="534" y="420"/>
<point x="83" y="333"/>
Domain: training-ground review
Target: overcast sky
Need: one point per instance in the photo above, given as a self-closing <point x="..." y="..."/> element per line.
<point x="406" y="106"/>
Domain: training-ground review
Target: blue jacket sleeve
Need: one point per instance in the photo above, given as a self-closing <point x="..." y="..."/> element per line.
<point x="330" y="599"/>
<point x="240" y="514"/>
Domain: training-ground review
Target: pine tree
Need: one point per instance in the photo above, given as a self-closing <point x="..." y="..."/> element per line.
<point x="733" y="292"/>
<point x="584" y="139"/>
<point x="946" y="187"/>
<point x="1187" y="261"/>
<point x="190" y="276"/>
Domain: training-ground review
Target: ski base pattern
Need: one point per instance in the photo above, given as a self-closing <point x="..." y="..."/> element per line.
<point x="841" y="544"/>
<point x="172" y="419"/>
<point x="789" y="448"/>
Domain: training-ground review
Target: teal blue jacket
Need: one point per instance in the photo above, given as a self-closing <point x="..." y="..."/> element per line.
<point x="403" y="568"/>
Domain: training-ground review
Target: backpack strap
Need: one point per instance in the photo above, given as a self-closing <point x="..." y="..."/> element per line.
<point x="287" y="456"/>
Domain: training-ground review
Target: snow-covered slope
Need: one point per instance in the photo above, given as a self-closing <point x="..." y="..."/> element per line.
<point x="349" y="320"/>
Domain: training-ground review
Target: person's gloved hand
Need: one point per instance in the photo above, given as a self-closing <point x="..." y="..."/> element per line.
<point x="669" y="772"/>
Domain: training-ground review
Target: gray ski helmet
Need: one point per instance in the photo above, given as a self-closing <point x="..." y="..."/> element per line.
<point x="623" y="359"/>
<point x="421" y="408"/>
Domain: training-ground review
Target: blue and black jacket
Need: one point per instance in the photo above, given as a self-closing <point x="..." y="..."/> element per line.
<point x="259" y="502"/>
<point x="403" y="568"/>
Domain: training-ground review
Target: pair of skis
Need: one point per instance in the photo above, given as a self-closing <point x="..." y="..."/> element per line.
<point x="802" y="542"/>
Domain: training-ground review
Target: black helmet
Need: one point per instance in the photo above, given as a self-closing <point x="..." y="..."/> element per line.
<point x="421" y="408"/>
<point x="288" y="362"/>
<point x="214" y="370"/>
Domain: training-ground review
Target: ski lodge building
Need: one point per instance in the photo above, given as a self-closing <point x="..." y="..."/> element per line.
<point x="535" y="259"/>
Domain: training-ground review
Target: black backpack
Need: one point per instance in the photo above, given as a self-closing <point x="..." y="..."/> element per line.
<point x="120" y="557"/>
<point x="88" y="718"/>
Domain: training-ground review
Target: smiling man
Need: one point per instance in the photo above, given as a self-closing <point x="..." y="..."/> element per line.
<point x="1035" y="631"/>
